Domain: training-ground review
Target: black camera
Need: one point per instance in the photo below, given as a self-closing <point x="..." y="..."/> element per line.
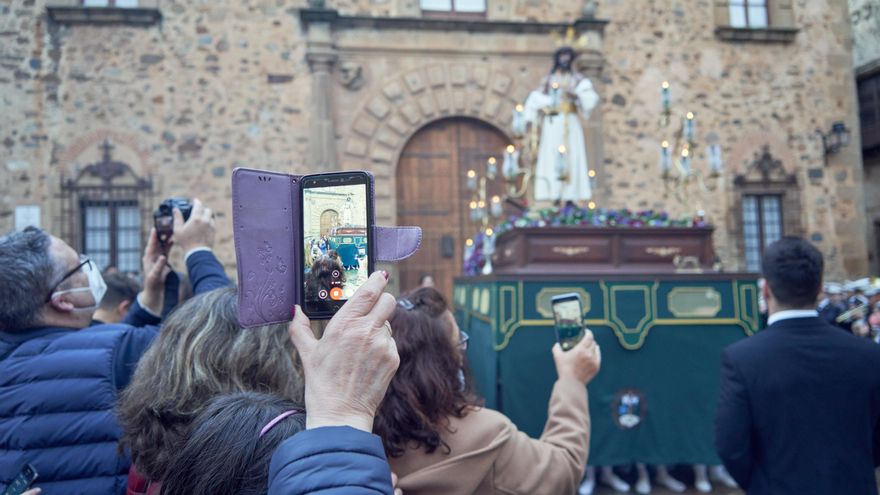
<point x="163" y="217"/>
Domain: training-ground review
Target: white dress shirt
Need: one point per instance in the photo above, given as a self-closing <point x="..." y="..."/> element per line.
<point x="791" y="313"/>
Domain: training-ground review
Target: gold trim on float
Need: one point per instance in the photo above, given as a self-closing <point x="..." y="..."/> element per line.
<point x="649" y="309"/>
<point x="549" y="292"/>
<point x="510" y="324"/>
<point x="484" y="301"/>
<point x="752" y="318"/>
<point x="710" y="311"/>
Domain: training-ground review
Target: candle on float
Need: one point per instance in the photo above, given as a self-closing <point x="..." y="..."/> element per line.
<point x="491" y="168"/>
<point x="496" y="209"/>
<point x="686" y="160"/>
<point x="560" y="161"/>
<point x="511" y="162"/>
<point x="715" y="162"/>
<point x="689" y="127"/>
<point x="554" y="95"/>
<point x="468" y="248"/>
<point x="518" y="124"/>
<point x="475" y="214"/>
<point x="472" y="180"/>
<point x="664" y="95"/>
<point x="665" y="157"/>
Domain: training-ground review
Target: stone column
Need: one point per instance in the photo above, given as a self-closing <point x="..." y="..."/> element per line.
<point x="321" y="57"/>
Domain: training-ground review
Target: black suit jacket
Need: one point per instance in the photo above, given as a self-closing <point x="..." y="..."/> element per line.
<point x="799" y="410"/>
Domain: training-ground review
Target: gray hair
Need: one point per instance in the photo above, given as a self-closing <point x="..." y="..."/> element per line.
<point x="26" y="274"/>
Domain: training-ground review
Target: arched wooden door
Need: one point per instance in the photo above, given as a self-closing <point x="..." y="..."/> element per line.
<point x="432" y="193"/>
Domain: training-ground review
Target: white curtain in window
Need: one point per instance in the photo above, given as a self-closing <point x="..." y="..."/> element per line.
<point x="96" y="3"/>
<point x="470" y="5"/>
<point x="97" y="238"/>
<point x="436" y="5"/>
<point x="128" y="238"/>
<point x="751" y="233"/>
<point x="127" y="4"/>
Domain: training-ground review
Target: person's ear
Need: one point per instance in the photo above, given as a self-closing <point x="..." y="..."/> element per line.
<point x="61" y="304"/>
<point x="765" y="291"/>
<point x="123" y="307"/>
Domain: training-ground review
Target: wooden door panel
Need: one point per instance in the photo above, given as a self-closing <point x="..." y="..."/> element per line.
<point x="432" y="193"/>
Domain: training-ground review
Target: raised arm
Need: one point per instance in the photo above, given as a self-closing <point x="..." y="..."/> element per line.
<point x="554" y="463"/>
<point x="195" y="237"/>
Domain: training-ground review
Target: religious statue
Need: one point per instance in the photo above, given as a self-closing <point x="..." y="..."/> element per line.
<point x="561" y="173"/>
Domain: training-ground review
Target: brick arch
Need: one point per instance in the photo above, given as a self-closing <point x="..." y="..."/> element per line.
<point x="404" y="103"/>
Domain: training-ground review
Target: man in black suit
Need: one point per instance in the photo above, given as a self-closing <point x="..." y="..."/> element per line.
<point x="799" y="405"/>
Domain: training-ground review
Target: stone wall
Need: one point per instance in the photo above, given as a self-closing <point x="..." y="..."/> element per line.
<point x="225" y="83"/>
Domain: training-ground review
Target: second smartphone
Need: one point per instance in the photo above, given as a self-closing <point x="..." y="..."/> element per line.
<point x="337" y="225"/>
<point x="569" y="315"/>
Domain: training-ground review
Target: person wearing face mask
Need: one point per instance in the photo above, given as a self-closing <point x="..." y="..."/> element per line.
<point x="59" y="376"/>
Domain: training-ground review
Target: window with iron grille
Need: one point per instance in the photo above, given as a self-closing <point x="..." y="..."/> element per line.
<point x="111" y="234"/>
<point x="748" y="14"/>
<point x="762" y="226"/>
<point x="104" y="211"/>
<point x="869" y="111"/>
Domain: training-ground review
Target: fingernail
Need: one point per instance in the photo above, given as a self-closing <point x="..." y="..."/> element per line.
<point x="293" y="312"/>
<point x="386" y="274"/>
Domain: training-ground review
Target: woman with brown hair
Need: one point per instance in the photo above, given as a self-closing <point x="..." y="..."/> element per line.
<point x="202" y="352"/>
<point x="441" y="441"/>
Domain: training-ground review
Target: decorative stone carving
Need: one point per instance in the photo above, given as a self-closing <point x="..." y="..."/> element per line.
<point x="351" y="75"/>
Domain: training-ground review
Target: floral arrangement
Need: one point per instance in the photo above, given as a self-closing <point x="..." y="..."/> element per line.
<point x="573" y="216"/>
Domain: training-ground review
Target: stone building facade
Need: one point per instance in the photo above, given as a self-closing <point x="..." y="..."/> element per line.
<point x="865" y="16"/>
<point x="187" y="90"/>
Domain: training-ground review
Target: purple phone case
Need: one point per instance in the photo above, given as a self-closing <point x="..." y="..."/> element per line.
<point x="268" y="255"/>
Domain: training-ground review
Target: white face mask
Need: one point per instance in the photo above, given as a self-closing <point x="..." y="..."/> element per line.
<point x="97" y="287"/>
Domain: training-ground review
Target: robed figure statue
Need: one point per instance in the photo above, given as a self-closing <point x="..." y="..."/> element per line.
<point x="561" y="173"/>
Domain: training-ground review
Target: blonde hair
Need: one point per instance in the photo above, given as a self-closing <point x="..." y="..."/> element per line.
<point x="201" y="352"/>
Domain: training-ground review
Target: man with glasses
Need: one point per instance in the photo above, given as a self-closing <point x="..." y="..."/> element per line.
<point x="59" y="376"/>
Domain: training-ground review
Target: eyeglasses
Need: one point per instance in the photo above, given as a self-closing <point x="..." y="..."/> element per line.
<point x="85" y="264"/>
<point x="463" y="339"/>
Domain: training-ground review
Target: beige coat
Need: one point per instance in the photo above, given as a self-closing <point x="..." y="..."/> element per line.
<point x="490" y="456"/>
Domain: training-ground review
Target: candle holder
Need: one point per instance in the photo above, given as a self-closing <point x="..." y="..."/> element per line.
<point x="482" y="207"/>
<point x="677" y="155"/>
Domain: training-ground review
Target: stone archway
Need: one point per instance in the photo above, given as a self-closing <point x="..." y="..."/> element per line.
<point x="406" y="102"/>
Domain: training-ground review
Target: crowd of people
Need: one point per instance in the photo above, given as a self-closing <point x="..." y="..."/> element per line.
<point x="109" y="386"/>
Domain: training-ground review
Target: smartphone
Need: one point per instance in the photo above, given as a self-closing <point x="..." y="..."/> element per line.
<point x="22" y="482"/>
<point x="569" y="314"/>
<point x="337" y="226"/>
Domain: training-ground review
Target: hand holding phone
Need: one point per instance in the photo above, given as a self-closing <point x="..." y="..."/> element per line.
<point x="569" y="315"/>
<point x="22" y="482"/>
<point x="337" y="229"/>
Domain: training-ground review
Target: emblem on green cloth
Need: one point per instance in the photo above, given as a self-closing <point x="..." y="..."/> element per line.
<point x="629" y="408"/>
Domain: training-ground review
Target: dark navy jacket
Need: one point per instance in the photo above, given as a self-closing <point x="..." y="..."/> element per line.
<point x="58" y="392"/>
<point x="334" y="460"/>
<point x="799" y="410"/>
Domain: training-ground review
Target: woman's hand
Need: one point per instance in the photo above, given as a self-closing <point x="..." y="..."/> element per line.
<point x="348" y="370"/>
<point x="581" y="362"/>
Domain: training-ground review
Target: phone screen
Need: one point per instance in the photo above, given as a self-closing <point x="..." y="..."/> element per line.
<point x="569" y="320"/>
<point x="22" y="482"/>
<point x="336" y="249"/>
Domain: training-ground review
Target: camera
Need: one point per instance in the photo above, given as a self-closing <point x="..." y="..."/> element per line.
<point x="163" y="217"/>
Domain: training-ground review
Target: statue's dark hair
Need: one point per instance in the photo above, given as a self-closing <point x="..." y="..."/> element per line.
<point x="558" y="54"/>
